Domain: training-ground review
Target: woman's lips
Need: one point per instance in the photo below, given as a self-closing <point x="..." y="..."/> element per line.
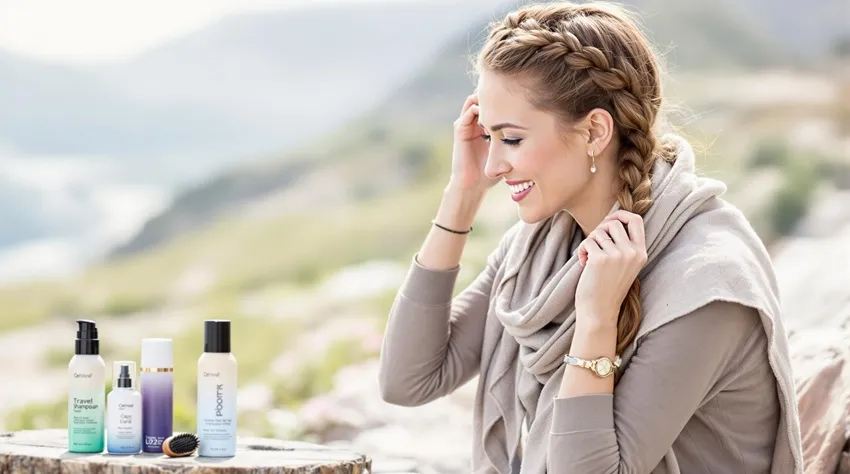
<point x="520" y="189"/>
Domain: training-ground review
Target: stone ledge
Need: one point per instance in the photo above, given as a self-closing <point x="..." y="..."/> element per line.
<point x="45" y="451"/>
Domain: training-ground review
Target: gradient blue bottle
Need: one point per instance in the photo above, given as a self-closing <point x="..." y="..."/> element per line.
<point x="157" y="382"/>
<point x="124" y="411"/>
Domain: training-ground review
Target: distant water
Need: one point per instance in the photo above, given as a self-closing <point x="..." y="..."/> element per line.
<point x="57" y="213"/>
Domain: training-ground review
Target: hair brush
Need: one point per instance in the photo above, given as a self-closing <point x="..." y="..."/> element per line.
<point x="180" y="445"/>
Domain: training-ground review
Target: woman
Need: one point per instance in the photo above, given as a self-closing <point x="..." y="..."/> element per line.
<point x="629" y="322"/>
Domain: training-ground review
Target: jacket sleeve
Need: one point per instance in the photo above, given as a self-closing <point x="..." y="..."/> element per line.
<point x="432" y="342"/>
<point x="672" y="372"/>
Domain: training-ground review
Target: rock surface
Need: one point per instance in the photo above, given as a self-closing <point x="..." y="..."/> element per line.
<point x="433" y="438"/>
<point x="45" y="451"/>
<point x="811" y="268"/>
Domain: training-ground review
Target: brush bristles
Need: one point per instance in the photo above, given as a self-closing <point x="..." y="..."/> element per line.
<point x="183" y="444"/>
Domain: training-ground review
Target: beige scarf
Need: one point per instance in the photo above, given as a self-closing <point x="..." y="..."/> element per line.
<point x="700" y="249"/>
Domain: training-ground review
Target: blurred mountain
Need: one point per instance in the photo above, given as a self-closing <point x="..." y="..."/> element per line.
<point x="54" y="109"/>
<point x="805" y="29"/>
<point x="428" y="101"/>
<point x="290" y="76"/>
<point x="705" y="34"/>
<point x="248" y="84"/>
<point x="709" y="35"/>
<point x="179" y="113"/>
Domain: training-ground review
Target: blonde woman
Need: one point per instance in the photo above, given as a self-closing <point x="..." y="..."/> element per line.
<point x="629" y="322"/>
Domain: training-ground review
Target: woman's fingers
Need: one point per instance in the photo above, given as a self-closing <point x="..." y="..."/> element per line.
<point x="603" y="240"/>
<point x="466" y="126"/>
<point x="470" y="100"/>
<point x="587" y="249"/>
<point x="617" y="232"/>
<point x="471" y="116"/>
<point x="634" y="222"/>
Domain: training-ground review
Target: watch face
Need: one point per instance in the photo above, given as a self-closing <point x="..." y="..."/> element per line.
<point x="603" y="366"/>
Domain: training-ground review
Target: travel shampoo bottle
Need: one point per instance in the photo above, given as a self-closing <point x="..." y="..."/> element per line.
<point x="124" y="411"/>
<point x="157" y="384"/>
<point x="86" y="392"/>
<point x="217" y="392"/>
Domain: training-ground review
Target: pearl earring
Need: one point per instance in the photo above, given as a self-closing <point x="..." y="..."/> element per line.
<point x="593" y="161"/>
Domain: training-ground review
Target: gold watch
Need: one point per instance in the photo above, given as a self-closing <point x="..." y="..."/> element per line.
<point x="602" y="366"/>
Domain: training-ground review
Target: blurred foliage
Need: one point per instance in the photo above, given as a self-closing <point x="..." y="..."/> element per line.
<point x="119" y="305"/>
<point x="316" y="375"/>
<point x="244" y="254"/>
<point x="769" y="153"/>
<point x="292" y="252"/>
<point x="38" y="416"/>
<point x="791" y="201"/>
<point x="58" y="357"/>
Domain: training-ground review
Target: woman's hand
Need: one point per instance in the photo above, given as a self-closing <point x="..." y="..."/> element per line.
<point x="470" y="150"/>
<point x="611" y="258"/>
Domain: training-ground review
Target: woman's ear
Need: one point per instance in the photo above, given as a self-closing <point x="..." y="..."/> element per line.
<point x="600" y="127"/>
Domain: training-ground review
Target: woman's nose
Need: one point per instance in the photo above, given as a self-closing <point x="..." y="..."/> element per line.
<point x="496" y="166"/>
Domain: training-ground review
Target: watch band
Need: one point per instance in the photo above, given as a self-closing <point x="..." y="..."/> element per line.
<point x="602" y="366"/>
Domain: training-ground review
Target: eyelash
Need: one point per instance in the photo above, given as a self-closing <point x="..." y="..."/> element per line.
<point x="507" y="141"/>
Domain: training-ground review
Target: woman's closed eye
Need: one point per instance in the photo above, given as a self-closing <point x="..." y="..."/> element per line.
<point x="506" y="141"/>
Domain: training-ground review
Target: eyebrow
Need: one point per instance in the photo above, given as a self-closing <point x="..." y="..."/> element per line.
<point x="502" y="125"/>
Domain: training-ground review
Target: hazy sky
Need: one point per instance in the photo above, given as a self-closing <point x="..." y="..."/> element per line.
<point x="87" y="31"/>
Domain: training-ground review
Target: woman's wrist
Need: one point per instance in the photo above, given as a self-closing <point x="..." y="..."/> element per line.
<point x="443" y="249"/>
<point x="458" y="208"/>
<point x="596" y="324"/>
<point x="592" y="339"/>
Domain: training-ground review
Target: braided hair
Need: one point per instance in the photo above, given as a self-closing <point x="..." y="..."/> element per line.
<point x="572" y="59"/>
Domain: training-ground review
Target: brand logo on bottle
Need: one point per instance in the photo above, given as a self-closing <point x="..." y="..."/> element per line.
<point x="219" y="400"/>
<point x="82" y="376"/>
<point x="212" y="374"/>
<point x="125" y="405"/>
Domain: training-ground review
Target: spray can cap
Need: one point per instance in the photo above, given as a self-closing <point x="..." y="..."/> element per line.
<point x="157" y="354"/>
<point x="86" y="342"/>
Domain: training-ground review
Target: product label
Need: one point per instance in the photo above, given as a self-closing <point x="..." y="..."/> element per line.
<point x="217" y="413"/>
<point x="86" y="420"/>
<point x="85" y="423"/>
<point x="125" y="425"/>
<point x="80" y="405"/>
<point x="154" y="441"/>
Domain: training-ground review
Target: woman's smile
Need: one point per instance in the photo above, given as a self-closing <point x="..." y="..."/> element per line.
<point x="520" y="189"/>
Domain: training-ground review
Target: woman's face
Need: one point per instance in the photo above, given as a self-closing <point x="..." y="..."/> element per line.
<point x="546" y="167"/>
